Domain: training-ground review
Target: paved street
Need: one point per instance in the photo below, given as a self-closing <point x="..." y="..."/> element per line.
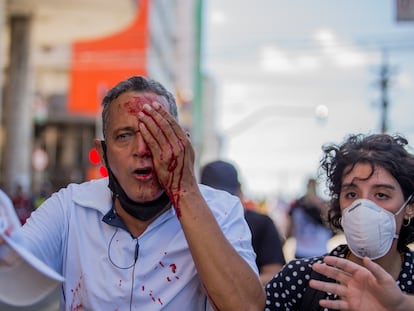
<point x="50" y="303"/>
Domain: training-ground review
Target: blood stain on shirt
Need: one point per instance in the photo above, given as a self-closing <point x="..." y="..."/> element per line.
<point x="173" y="268"/>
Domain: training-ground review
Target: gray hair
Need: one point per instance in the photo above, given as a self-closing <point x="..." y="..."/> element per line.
<point x="138" y="84"/>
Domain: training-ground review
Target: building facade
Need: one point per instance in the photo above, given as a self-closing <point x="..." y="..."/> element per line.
<point x="42" y="141"/>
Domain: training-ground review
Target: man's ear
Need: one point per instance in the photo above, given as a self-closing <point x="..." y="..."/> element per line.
<point x="98" y="146"/>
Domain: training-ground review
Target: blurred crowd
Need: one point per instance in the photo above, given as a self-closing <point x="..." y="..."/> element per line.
<point x="25" y="201"/>
<point x="298" y="228"/>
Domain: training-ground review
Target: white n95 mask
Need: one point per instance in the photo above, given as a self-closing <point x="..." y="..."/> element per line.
<point x="369" y="229"/>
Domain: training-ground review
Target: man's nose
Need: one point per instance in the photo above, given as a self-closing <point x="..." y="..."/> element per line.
<point x="140" y="146"/>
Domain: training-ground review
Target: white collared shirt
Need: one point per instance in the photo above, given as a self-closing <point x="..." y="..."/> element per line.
<point x="98" y="259"/>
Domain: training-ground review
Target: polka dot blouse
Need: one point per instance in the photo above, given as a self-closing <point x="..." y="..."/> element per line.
<point x="287" y="288"/>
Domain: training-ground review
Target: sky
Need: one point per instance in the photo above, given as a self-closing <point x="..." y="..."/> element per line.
<point x="275" y="63"/>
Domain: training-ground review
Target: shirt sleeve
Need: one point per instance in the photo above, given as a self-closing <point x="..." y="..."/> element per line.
<point x="46" y="229"/>
<point x="229" y="213"/>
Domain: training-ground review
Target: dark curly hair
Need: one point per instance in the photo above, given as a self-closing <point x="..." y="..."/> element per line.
<point x="386" y="151"/>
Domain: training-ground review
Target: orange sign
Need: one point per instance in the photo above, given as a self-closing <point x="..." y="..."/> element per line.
<point x="97" y="65"/>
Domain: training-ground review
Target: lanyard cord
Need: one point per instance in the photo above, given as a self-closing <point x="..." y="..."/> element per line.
<point x="124" y="268"/>
<point x="109" y="253"/>
<point x="132" y="286"/>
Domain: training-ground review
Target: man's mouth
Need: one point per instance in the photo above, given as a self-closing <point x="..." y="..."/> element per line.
<point x="143" y="173"/>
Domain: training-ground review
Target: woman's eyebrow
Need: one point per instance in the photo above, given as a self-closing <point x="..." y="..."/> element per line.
<point x="388" y="186"/>
<point x="347" y="186"/>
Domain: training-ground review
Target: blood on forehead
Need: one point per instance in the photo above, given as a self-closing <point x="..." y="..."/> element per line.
<point x="136" y="104"/>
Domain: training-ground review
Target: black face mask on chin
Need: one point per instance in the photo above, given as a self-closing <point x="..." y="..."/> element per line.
<point x="141" y="210"/>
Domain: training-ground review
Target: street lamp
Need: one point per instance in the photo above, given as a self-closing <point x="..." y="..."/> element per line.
<point x="319" y="112"/>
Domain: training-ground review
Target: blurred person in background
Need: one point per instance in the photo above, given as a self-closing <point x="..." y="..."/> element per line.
<point x="371" y="185"/>
<point x="265" y="237"/>
<point x="148" y="236"/>
<point x="40" y="196"/>
<point x="307" y="224"/>
<point x="22" y="203"/>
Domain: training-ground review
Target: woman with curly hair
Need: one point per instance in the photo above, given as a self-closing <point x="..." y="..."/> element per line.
<point x="371" y="184"/>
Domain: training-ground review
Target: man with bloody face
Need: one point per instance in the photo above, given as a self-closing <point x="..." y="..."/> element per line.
<point x="148" y="237"/>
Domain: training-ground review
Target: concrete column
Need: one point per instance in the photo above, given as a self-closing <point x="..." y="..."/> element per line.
<point x="2" y="61"/>
<point x="70" y="149"/>
<point x="18" y="106"/>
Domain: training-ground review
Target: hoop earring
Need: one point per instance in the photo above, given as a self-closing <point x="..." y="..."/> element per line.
<point x="406" y="224"/>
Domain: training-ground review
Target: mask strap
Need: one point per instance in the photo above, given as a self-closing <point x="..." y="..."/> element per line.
<point x="396" y="236"/>
<point x="404" y="205"/>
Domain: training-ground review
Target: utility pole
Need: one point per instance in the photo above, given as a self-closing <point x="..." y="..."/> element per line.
<point x="2" y="56"/>
<point x="197" y="104"/>
<point x="384" y="82"/>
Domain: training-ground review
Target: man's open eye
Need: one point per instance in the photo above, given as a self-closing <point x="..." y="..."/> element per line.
<point x="124" y="136"/>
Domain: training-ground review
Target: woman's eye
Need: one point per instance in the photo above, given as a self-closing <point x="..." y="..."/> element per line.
<point x="382" y="196"/>
<point x="349" y="195"/>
